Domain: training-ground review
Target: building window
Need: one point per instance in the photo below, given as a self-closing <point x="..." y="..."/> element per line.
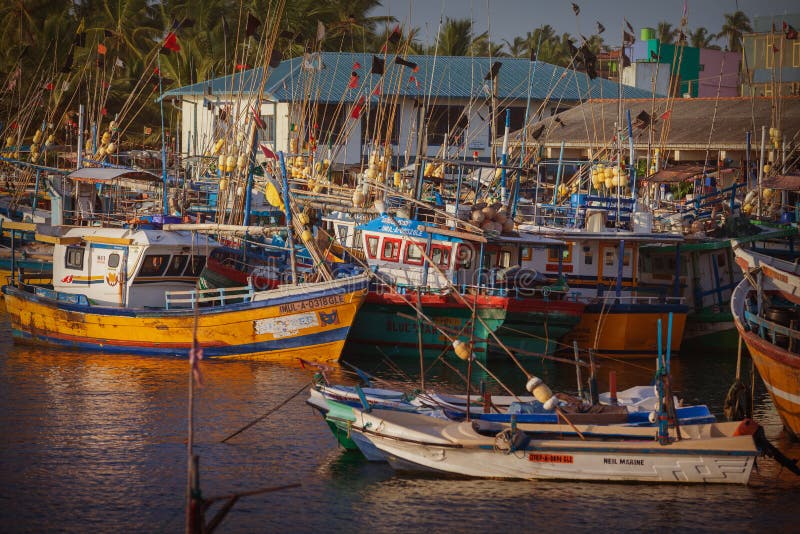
<point x="391" y="249"/>
<point x="266" y="134"/>
<point x="526" y="254"/>
<point x="374" y="126"/>
<point x="113" y="260"/>
<point x="796" y="54"/>
<point x="446" y="121"/>
<point x="73" y="258"/>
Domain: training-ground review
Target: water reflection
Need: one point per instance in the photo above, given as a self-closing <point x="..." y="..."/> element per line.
<point x="96" y="441"/>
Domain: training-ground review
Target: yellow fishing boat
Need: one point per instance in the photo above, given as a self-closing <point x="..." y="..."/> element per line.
<point x="133" y="291"/>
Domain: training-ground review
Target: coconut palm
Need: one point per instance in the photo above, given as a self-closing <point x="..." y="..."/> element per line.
<point x="735" y="25"/>
<point x="455" y="38"/>
<point x="700" y="38"/>
<point x="665" y="33"/>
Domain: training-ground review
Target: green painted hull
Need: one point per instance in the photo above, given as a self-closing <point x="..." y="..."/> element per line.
<point x="340" y="432"/>
<point x="536" y="332"/>
<point x="379" y="325"/>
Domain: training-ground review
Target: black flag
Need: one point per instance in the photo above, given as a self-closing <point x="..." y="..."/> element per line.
<point x="252" y="25"/>
<point x="533" y="54"/>
<point x="537" y="133"/>
<point x="626" y="61"/>
<point x="275" y="58"/>
<point x="576" y="8"/>
<point x="630" y="27"/>
<point x="627" y="38"/>
<point x="642" y="120"/>
<point x="377" y="65"/>
<point x="492" y="74"/>
<point x="653" y="55"/>
<point x="600" y="28"/>
<point x="406" y="63"/>
<point x="395" y="36"/>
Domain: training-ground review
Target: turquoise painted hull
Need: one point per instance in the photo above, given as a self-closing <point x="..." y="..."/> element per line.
<point x="378" y="324"/>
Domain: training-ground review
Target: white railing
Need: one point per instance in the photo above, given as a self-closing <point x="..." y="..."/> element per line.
<point x="222" y="295"/>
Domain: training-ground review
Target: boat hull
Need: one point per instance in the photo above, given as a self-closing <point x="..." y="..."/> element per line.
<point x="553" y="460"/>
<point x="287" y="324"/>
<point x="780" y="371"/>
<point x="378" y="324"/>
<point x="537" y="325"/>
<point x="628" y="330"/>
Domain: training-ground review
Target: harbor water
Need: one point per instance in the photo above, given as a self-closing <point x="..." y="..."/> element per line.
<point x="97" y="443"/>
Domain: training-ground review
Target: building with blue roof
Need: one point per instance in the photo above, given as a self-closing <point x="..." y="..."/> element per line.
<point x="335" y="99"/>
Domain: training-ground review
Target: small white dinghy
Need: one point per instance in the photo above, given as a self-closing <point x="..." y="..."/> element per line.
<point x="709" y="453"/>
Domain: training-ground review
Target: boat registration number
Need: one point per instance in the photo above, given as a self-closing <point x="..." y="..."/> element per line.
<point x="551" y="458"/>
<point x="320" y="302"/>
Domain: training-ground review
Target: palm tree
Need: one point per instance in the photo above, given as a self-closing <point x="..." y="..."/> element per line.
<point x="700" y="38"/>
<point x="665" y="33"/>
<point x="455" y="38"/>
<point x="735" y="25"/>
<point x="482" y="46"/>
<point x="519" y="47"/>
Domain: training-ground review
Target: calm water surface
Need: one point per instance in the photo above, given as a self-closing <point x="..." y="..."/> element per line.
<point x="97" y="443"/>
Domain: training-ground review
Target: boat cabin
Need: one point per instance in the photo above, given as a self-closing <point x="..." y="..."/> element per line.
<point x="131" y="268"/>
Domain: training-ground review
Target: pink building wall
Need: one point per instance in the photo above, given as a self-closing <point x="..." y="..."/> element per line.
<point x="712" y="63"/>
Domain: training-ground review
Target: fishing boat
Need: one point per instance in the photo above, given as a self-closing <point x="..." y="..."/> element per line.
<point x="710" y="453"/>
<point x="130" y="290"/>
<point x="766" y="315"/>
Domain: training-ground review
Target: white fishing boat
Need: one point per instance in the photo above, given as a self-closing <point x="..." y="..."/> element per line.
<point x="710" y="453"/>
<point x="784" y="275"/>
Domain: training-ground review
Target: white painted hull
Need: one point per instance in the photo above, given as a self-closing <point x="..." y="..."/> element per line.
<point x="707" y="454"/>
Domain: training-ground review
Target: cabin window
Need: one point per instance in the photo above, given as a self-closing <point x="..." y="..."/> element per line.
<point x="414" y="253"/>
<point x="588" y="258"/>
<point x="154" y="264"/>
<point x="440" y="255"/>
<point x="610" y="258"/>
<point x="372" y="246"/>
<point x="113" y="260"/>
<point x="342" y="233"/>
<point x="73" y="258"/>
<point x="176" y="265"/>
<point x="196" y="265"/>
<point x="565" y="252"/>
<point x="464" y="255"/>
<point x="721" y="260"/>
<point x="526" y="254"/>
<point x="391" y="249"/>
<point x="504" y="259"/>
<point x="626" y="258"/>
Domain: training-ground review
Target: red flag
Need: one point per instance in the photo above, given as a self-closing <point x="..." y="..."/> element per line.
<point x="49" y="86"/>
<point x="239" y="66"/>
<point x="267" y="152"/>
<point x="106" y="85"/>
<point x="258" y="120"/>
<point x="104" y="112"/>
<point x="353" y="81"/>
<point x="171" y="42"/>
<point x="666" y="115"/>
<point x="356" y="65"/>
<point x="377" y="90"/>
<point x="156" y="71"/>
<point x="356" y="113"/>
<point x="101" y="49"/>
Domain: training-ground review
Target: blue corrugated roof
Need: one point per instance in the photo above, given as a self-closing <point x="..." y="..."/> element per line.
<point x="436" y="77"/>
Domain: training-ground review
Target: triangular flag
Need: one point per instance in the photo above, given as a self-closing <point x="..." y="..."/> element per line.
<point x="257" y="119"/>
<point x="101" y="48"/>
<point x="171" y="42"/>
<point x="576" y="8"/>
<point x="492" y="74"/>
<point x="119" y="63"/>
<point x="356" y="112"/>
<point x="275" y="58"/>
<point x="65" y="86"/>
<point x="628" y="38"/>
<point x="406" y="63"/>
<point x="353" y="81"/>
<point x="377" y="65"/>
<point x="629" y="25"/>
<point x="240" y="66"/>
<point x="791" y="33"/>
<point x="49" y="86"/>
<point x="600" y="28"/>
<point x="395" y="36"/>
<point x="267" y="152"/>
<point x="252" y="25"/>
<point x="356" y="65"/>
<point x="666" y="115"/>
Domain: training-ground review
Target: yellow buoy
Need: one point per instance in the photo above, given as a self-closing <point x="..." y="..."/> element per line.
<point x="50" y="139"/>
<point x="398" y="179"/>
<point x="543" y="394"/>
<point x="230" y="163"/>
<point x="463" y="350"/>
<point x="37" y="136"/>
<point x="111" y="148"/>
<point x="221" y="162"/>
<point x="218" y="147"/>
<point x="303" y="218"/>
<point x="307" y="236"/>
<point x="273" y="196"/>
<point x="240" y="162"/>
<point x="9" y="141"/>
<point x="223" y="185"/>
